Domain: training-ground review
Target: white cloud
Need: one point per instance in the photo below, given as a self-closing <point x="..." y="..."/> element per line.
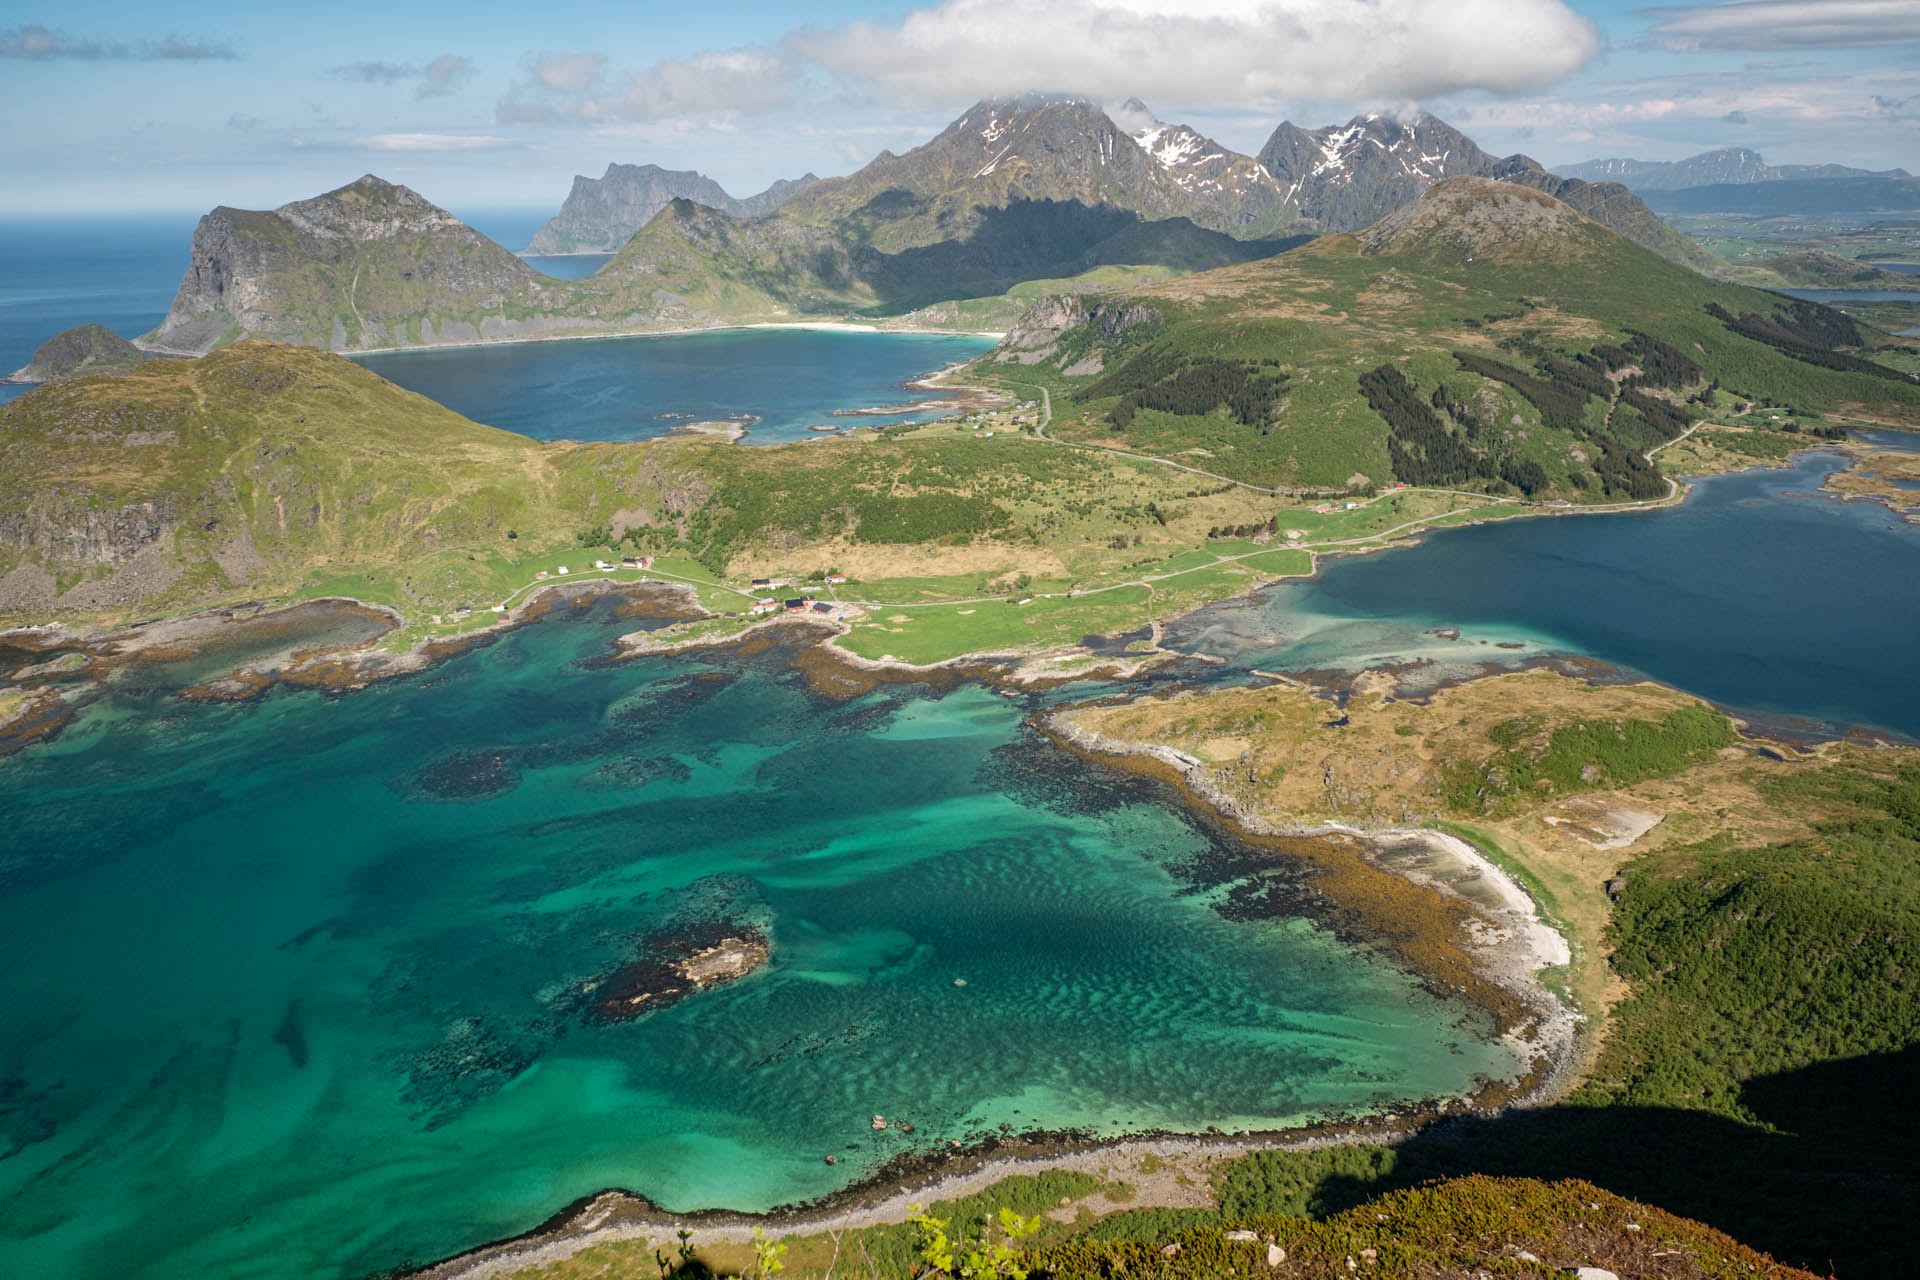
<point x="437" y="78"/>
<point x="373" y="72"/>
<point x="1221" y="52"/>
<point x="442" y="74"/>
<point x="727" y="81"/>
<point x="1787" y="24"/>
<point x="35" y="43"/>
<point x="434" y="142"/>
<point x="570" y="72"/>
<point x="1841" y="117"/>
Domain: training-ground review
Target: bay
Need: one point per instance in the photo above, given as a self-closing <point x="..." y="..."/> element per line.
<point x="1760" y="593"/>
<point x="638" y="388"/>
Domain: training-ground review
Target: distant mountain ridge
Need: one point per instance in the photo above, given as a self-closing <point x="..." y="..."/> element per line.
<point x="1873" y="194"/>
<point x="1724" y="167"/>
<point x="602" y="214"/>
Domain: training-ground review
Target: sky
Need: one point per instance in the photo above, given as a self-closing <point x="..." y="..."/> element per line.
<point x="134" y="107"/>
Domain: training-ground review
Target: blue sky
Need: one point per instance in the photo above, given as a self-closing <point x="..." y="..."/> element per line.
<point x="125" y="106"/>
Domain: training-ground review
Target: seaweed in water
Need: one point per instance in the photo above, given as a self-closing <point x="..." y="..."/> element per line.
<point x="461" y="775"/>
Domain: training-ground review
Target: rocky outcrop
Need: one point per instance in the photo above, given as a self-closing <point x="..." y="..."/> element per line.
<point x="65" y="528"/>
<point x="1036" y="337"/>
<point x="87" y="348"/>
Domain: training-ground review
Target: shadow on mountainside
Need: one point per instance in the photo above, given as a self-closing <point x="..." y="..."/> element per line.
<point x="1827" y="1179"/>
<point x="1036" y="240"/>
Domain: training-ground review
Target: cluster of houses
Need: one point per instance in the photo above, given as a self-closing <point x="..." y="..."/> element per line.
<point x="765" y="604"/>
<point x="799" y="604"/>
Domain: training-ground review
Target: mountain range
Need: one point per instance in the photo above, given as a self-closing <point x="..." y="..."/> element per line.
<point x="1724" y="167"/>
<point x="1015" y="190"/>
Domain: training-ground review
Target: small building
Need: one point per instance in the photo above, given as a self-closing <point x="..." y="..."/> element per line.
<point x="821" y="606"/>
<point x="542" y="574"/>
<point x="633" y="562"/>
<point x="796" y="606"/>
<point x="562" y="569"/>
<point x="763" y="606"/>
<point x="1353" y="506"/>
<point x="836" y="577"/>
<point x="761" y="584"/>
<point x="603" y="565"/>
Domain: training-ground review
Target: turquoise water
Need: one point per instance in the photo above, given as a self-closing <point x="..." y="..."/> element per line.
<point x="296" y="988"/>
<point x="1760" y="593"/>
<point x="638" y="388"/>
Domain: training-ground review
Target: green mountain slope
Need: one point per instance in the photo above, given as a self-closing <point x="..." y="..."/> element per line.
<point x="1523" y="347"/>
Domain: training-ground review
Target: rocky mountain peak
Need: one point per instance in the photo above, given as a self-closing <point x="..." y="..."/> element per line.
<point x="369" y="208"/>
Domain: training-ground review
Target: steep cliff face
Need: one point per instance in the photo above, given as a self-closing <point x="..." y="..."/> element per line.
<point x="1348" y="176"/>
<point x="601" y="214"/>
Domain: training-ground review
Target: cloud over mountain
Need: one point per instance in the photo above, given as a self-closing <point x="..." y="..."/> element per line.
<point x="1227" y="52"/>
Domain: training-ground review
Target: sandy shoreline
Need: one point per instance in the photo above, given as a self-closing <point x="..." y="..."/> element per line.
<point x="819" y="326"/>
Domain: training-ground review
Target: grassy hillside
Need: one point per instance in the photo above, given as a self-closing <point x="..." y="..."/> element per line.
<point x="1511" y="322"/>
<point x="267" y="471"/>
